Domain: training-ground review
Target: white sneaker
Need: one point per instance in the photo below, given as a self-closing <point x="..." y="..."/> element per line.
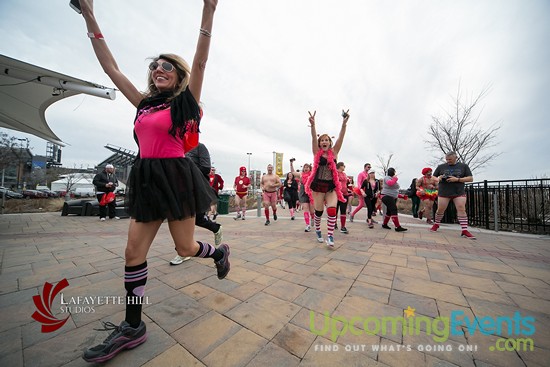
<point x="178" y="260"/>
<point x="330" y="241"/>
<point x="102" y="219"/>
<point x="319" y="237"/>
<point x="218" y="237"/>
<point x="308" y="229"/>
<point x="116" y="218"/>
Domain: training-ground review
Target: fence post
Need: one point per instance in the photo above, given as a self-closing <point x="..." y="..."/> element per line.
<point x="486" y="204"/>
<point x="495" y="209"/>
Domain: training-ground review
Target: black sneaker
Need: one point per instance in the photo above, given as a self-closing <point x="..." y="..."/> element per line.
<point x="214" y="217"/>
<point x="223" y="265"/>
<point x="385" y="226"/>
<point x="344" y="230"/>
<point x="123" y="337"/>
<point x="274" y="216"/>
<point x="400" y="229"/>
<point x="267" y="222"/>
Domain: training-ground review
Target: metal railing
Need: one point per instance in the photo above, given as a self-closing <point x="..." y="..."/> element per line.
<point x="514" y="205"/>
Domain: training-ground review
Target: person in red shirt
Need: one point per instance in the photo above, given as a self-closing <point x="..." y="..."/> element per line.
<point x="343" y="205"/>
<point x="242" y="182"/>
<point x="216" y="182"/>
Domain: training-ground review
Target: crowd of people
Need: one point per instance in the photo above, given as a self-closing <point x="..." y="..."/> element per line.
<point x="325" y="186"/>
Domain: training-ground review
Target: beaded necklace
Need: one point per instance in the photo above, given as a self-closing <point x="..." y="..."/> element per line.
<point x="152" y="109"/>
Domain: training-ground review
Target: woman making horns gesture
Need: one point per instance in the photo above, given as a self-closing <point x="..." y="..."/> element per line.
<point x="323" y="184"/>
<point x="163" y="183"/>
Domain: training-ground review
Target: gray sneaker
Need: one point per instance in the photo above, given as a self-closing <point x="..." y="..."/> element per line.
<point x="223" y="265"/>
<point x="218" y="237"/>
<point x="178" y="260"/>
<point x="123" y="337"/>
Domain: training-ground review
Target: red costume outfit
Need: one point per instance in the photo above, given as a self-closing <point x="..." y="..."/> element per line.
<point x="239" y="183"/>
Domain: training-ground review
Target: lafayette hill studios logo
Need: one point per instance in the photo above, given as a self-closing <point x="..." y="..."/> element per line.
<point x="43" y="313"/>
<point x="73" y="305"/>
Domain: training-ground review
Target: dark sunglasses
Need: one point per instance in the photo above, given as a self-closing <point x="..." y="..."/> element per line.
<point x="166" y="66"/>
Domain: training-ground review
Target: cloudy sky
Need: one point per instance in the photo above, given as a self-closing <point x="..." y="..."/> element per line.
<point x="394" y="64"/>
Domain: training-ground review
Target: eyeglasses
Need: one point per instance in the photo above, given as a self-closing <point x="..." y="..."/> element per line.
<point x="166" y="66"/>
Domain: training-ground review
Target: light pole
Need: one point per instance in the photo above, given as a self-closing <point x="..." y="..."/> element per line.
<point x="249" y="154"/>
<point x="20" y="171"/>
<point x="251" y="178"/>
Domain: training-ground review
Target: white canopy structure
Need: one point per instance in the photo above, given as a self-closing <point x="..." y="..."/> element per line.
<point x="77" y="181"/>
<point x="26" y="91"/>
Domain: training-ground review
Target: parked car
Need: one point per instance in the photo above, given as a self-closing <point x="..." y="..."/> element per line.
<point x="84" y="192"/>
<point x="50" y="193"/>
<point x="34" y="194"/>
<point x="90" y="207"/>
<point x="10" y="194"/>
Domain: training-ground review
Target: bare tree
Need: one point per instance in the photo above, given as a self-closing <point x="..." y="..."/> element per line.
<point x="7" y="150"/>
<point x="384" y="163"/>
<point x="459" y="131"/>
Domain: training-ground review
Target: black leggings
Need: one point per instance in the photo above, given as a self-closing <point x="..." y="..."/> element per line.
<point x="391" y="205"/>
<point x="371" y="206"/>
<point x="342" y="207"/>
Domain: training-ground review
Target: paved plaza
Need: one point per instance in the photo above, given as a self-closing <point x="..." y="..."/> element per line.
<point x="288" y="300"/>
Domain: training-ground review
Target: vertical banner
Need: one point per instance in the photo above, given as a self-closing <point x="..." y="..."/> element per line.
<point x="279" y="164"/>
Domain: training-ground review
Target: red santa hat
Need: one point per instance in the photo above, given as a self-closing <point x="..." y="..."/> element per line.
<point x="426" y="170"/>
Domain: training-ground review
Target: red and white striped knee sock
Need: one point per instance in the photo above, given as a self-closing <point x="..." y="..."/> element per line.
<point x="317" y="220"/>
<point x="331" y="220"/>
<point x="463" y="221"/>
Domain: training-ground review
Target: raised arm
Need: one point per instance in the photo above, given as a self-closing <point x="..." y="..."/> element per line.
<point x="296" y="174"/>
<point x="314" y="144"/>
<point x="203" y="48"/>
<point x="105" y="57"/>
<point x="340" y="140"/>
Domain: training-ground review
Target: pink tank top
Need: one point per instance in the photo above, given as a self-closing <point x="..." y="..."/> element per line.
<point x="154" y="139"/>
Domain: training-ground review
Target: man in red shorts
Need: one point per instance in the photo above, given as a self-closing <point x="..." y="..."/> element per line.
<point x="270" y="184"/>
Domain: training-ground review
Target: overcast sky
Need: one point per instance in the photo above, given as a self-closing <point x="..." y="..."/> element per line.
<point x="394" y="64"/>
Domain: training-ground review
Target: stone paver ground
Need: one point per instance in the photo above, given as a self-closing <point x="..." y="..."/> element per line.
<point x="288" y="300"/>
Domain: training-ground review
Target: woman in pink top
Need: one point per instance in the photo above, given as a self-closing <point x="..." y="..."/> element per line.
<point x="305" y="200"/>
<point x="362" y="176"/>
<point x="163" y="184"/>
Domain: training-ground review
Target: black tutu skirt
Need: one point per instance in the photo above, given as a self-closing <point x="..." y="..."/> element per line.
<point x="167" y="188"/>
